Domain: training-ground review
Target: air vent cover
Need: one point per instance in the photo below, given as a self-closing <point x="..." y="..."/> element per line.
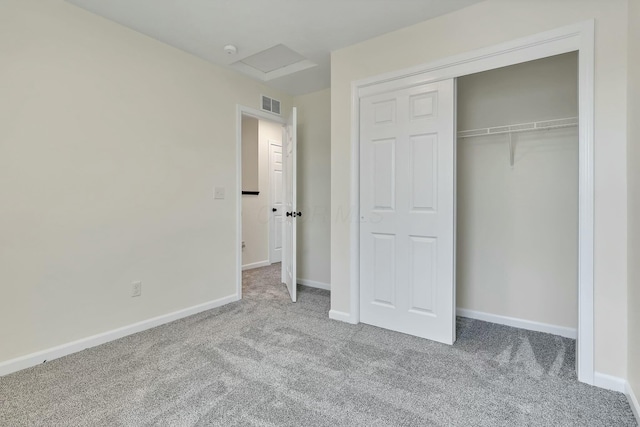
<point x="271" y="105"/>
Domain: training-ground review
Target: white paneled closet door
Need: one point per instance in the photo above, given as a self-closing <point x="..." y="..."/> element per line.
<point x="407" y="194"/>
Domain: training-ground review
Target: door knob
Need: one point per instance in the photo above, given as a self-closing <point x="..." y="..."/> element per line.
<point x="274" y="210"/>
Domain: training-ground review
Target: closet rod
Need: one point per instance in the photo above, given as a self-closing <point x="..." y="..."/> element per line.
<point x="521" y="127"/>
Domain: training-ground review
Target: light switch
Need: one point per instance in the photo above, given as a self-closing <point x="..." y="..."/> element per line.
<point x="218" y="193"/>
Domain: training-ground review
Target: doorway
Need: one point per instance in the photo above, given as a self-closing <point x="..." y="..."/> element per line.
<point x="266" y="182"/>
<point x="577" y="38"/>
<point x="517" y="195"/>
<point x="262" y="210"/>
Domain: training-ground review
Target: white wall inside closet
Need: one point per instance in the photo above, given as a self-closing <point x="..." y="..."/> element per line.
<point x="517" y="227"/>
<point x="256" y="208"/>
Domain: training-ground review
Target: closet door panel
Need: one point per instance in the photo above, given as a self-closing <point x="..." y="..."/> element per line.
<point x="424" y="172"/>
<point x="406" y="208"/>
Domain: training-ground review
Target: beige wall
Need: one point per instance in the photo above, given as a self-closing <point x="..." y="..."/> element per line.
<point x="110" y="147"/>
<point x="544" y="89"/>
<point x="485" y="24"/>
<point x="314" y="189"/>
<point x="517" y="227"/>
<point x="255" y="208"/>
<point x="634" y="197"/>
<point x="250" y="157"/>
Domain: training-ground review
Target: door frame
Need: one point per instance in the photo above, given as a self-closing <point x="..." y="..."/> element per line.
<point x="241" y="110"/>
<point x="578" y="37"/>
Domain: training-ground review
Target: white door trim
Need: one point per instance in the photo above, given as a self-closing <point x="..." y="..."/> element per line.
<point x="578" y="37"/>
<point x="241" y="110"/>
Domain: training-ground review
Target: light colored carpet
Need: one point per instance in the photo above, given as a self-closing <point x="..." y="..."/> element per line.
<point x="264" y="361"/>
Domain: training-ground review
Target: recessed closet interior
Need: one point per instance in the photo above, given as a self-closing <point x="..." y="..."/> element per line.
<point x="517" y="192"/>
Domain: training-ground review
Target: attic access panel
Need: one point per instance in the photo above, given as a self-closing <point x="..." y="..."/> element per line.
<point x="277" y="61"/>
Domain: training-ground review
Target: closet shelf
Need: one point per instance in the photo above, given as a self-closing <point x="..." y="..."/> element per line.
<point x="522" y="127"/>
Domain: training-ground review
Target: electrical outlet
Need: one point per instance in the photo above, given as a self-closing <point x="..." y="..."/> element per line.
<point x="136" y="289"/>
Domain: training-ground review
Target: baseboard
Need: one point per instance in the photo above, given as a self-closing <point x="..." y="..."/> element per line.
<point x="314" y="284"/>
<point x="255" y="265"/>
<point x="519" y="323"/>
<point x="633" y="401"/>
<point x="609" y="382"/>
<point x="33" y="359"/>
<point x="341" y="316"/>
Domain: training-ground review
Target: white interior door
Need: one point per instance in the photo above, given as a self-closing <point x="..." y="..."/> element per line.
<point x="290" y="207"/>
<point x="407" y="170"/>
<point x="276" y="201"/>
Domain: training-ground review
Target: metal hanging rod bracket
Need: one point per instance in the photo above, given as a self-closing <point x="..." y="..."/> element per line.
<point x="511" y="155"/>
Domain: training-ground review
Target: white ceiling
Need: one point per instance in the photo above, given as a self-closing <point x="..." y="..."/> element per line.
<point x="312" y="28"/>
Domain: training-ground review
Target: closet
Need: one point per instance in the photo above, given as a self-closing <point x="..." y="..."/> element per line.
<point x="517" y="195"/>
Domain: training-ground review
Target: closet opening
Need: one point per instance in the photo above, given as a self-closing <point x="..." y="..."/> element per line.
<point x="517" y="175"/>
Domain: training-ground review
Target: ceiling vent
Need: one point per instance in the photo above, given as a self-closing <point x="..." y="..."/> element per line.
<point x="271" y="105"/>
